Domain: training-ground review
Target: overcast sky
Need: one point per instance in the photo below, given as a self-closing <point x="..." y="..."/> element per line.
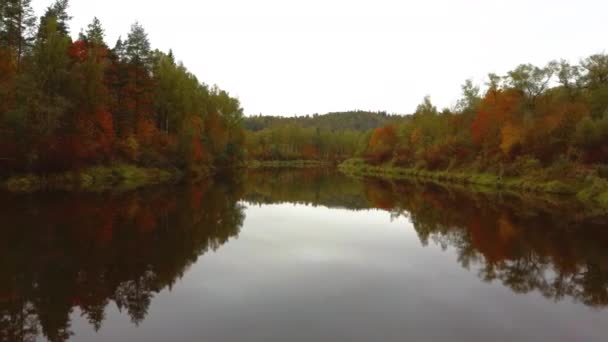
<point x="307" y="56"/>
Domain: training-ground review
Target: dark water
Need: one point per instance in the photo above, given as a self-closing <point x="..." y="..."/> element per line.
<point x="301" y="256"/>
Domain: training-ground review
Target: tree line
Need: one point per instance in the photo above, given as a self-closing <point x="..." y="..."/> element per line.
<point x="529" y="119"/>
<point x="358" y="120"/>
<point x="67" y="103"/>
<point x="532" y="117"/>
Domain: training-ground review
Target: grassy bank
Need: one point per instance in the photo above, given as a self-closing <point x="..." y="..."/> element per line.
<point x="257" y="164"/>
<point x="591" y="189"/>
<point x="116" y="177"/>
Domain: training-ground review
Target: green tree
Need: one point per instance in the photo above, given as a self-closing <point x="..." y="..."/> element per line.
<point x="137" y="46"/>
<point x="58" y="13"/>
<point x="119" y="50"/>
<point x="17" y="28"/>
<point x="426" y="107"/>
<point x="134" y="88"/>
<point x="569" y="75"/>
<point x="50" y="72"/>
<point x="595" y="79"/>
<point x="95" y="33"/>
<point x="531" y="80"/>
<point x="470" y="97"/>
<point x="596" y="67"/>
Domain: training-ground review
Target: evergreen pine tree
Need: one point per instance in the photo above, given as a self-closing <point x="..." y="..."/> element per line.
<point x="17" y="27"/>
<point x="137" y="46"/>
<point x="119" y="49"/>
<point x="95" y="33"/>
<point x="57" y="11"/>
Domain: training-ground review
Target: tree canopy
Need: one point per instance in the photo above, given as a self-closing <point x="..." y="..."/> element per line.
<point x="67" y="104"/>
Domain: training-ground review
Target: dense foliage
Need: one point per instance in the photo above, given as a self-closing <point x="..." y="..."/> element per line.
<point x="529" y="118"/>
<point x="293" y="142"/>
<point x="66" y="104"/>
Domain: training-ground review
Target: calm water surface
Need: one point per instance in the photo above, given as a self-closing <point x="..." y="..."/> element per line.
<point x="301" y="256"/>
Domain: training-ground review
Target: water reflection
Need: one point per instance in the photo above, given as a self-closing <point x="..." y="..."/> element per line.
<point x="527" y="243"/>
<point x="314" y="186"/>
<point x="67" y="253"/>
<point x="60" y="252"/>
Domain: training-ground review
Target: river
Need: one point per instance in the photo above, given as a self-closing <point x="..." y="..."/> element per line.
<point x="301" y="255"/>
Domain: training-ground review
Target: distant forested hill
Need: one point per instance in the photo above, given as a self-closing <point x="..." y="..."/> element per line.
<point x="332" y="136"/>
<point x="352" y="120"/>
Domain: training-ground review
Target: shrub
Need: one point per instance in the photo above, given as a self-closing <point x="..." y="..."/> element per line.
<point x="602" y="171"/>
<point x="523" y="165"/>
<point x="403" y="158"/>
<point x="27" y="183"/>
<point x="595" y="189"/>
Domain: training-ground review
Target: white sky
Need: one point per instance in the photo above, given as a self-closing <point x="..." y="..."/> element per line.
<point x="299" y="57"/>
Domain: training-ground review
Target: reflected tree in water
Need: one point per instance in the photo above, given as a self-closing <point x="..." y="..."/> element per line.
<point x="62" y="254"/>
<point x="527" y="243"/>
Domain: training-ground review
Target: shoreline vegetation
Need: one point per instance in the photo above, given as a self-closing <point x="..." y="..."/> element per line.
<point x="534" y="129"/>
<point x="120" y="177"/>
<point x="590" y="189"/>
<point x="262" y="164"/>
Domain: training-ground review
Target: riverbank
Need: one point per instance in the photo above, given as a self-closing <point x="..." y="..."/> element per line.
<point x="118" y="177"/>
<point x="590" y="189"/>
<point x="259" y="164"/>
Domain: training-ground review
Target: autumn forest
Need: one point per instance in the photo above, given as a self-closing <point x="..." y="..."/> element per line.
<point x="68" y="104"/>
<point x="142" y="202"/>
<point x="72" y="104"/>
